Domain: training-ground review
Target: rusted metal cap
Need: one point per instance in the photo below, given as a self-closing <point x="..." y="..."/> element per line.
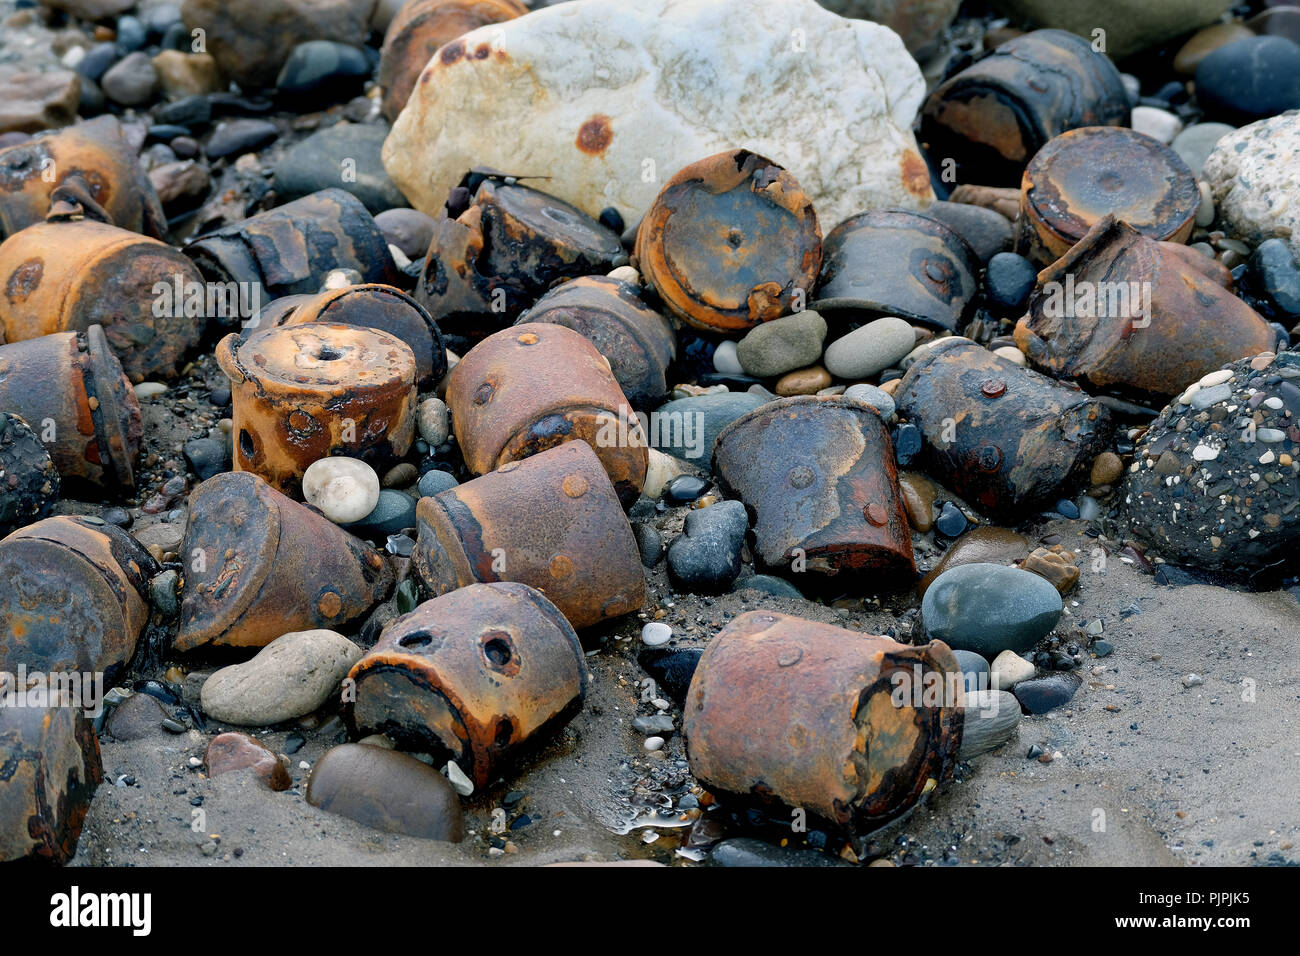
<point x="820" y="475"/>
<point x="472" y="676"/>
<point x="261" y="565"/>
<point x="900" y="263"/>
<point x="638" y="342"/>
<point x="993" y="116"/>
<point x="1088" y="173"/>
<point x="729" y="242"/>
<point x="786" y="712"/>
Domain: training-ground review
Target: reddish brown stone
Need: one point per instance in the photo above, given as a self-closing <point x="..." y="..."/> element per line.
<point x="235" y="751"/>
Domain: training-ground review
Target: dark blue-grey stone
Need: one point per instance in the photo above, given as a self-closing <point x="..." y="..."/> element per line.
<point x="1274" y="271"/>
<point x="176" y="37"/>
<point x="951" y="521"/>
<point x="671" y="670"/>
<point x="97" y="60"/>
<point x="705" y="557"/>
<point x="907" y="443"/>
<point x="684" y="489"/>
<point x="1067" y="508"/>
<point x="974" y="669"/>
<point x="987" y="232"/>
<point x="767" y="584"/>
<point x="1038" y="695"/>
<point x="990" y="608"/>
<point x="320" y="70"/>
<point x="435" y="482"/>
<point x="188" y="111"/>
<point x="688" y="427"/>
<point x="207" y="457"/>
<point x="649" y="543"/>
<point x="394" y="513"/>
<point x="1250" y="79"/>
<point x="750" y="852"/>
<point x="346" y="156"/>
<point x="1008" y="281"/>
<point x="235" y="137"/>
<point x="131" y="34"/>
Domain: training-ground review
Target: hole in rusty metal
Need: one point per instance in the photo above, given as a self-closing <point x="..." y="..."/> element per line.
<point x="245" y="443"/>
<point x="329" y="354"/>
<point x="415" y="642"/>
<point x="497" y="651"/>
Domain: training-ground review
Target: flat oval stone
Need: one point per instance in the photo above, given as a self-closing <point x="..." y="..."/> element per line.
<point x="233" y="751"/>
<point x="386" y="790"/>
<point x="291" y="676"/>
<point x="989" y="608"/>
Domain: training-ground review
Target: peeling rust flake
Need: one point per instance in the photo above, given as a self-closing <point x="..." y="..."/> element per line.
<point x="595" y="135"/>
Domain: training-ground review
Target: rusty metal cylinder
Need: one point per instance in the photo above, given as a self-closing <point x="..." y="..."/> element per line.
<point x="1085" y="174"/>
<point x="305" y="392"/>
<point x="730" y="241"/>
<point x="785" y="712"/>
<point x="472" y="676"/>
<point x="76" y="596"/>
<point x="993" y="116"/>
<point x="1000" y="435"/>
<point x="551" y="521"/>
<point x="31" y="482"/>
<point x="49" y="770"/>
<point x="97" y="153"/>
<point x="289" y="250"/>
<point x="1124" y="311"/>
<point x="65" y="275"/>
<point x="820" y="477"/>
<point x="534" y="386"/>
<point x="70" y="388"/>
<point x="638" y="342"/>
<point x="259" y="565"/>
<point x="898" y="263"/>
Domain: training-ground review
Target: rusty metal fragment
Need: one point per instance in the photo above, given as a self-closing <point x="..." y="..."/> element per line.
<point x="1123" y="311"/>
<point x="532" y="387"/>
<point x="1088" y="173"/>
<point x="551" y="521"/>
<point x="29" y="482"/>
<point x="900" y="263"/>
<point x="820" y="475"/>
<point x="730" y="241"/>
<point x="993" y="116"/>
<point x="785" y="712"/>
<point x="259" y="565"/>
<point x="76" y="596"/>
<point x="1000" y="435"/>
<point x="49" y="771"/>
<point x="638" y="342"/>
<point x="304" y="392"/>
<point x="472" y="676"/>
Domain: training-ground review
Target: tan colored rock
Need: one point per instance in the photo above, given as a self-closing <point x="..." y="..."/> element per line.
<point x="1254" y="176"/>
<point x="187" y="74"/>
<point x="1056" y="565"/>
<point x="1127" y="26"/>
<point x="610" y="107"/>
<point x="803" y="381"/>
<point x="293" y="675"/>
<point x="31" y="102"/>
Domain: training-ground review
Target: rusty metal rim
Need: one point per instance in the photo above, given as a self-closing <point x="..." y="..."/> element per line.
<point x="780" y="404"/>
<point x="110" y="412"/>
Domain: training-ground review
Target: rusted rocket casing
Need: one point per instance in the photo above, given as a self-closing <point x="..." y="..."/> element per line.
<point x="70" y="388"/>
<point x="472" y="676"/>
<point x="532" y="387"/>
<point x="1157" y="316"/>
<point x="94" y="151"/>
<point x="31" y="482"/>
<point x="1088" y="173"/>
<point x="730" y="241"/>
<point x="370" y="306"/>
<point x="289" y="250"/>
<point x="638" y="342"/>
<point x="513" y="243"/>
<point x="551" y="522"/>
<point x="419" y="29"/>
<point x="1000" y="435"/>
<point x="259" y="565"/>
<point x="49" y="771"/>
<point x="900" y="263"/>
<point x="305" y="392"/>
<point x="786" y="712"/>
<point x="820" y="477"/>
<point x="65" y="275"/>
<point x="76" y="596"/>
<point x="993" y="116"/>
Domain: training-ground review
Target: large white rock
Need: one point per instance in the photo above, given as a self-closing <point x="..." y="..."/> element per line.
<point x="1254" y="175"/>
<point x="609" y="101"/>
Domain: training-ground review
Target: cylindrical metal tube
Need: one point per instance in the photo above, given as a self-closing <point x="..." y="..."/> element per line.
<point x="820" y="477"/>
<point x="532" y="387"/>
<point x="854" y="728"/>
<point x="31" y="482"/>
<point x="472" y="676"/>
<point x="551" y="522"/>
<point x="260" y="565"/>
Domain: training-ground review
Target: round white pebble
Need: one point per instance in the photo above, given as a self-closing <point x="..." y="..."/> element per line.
<point x="344" y="489"/>
<point x="725" y="360"/>
<point x="654" y="743"/>
<point x="656" y="634"/>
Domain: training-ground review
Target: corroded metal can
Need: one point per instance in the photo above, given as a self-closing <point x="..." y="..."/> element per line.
<point x="493" y="260"/>
<point x="305" y="392"/>
<point x="49" y="771"/>
<point x="993" y="116"/>
<point x="1000" y="435"/>
<point x="1088" y="173"/>
<point x="899" y="263"/>
<point x="472" y="676"/>
<point x="532" y="387"/>
<point x="730" y="241"/>
<point x="65" y="275"/>
<point x="76" y="596"/>
<point x="820" y="477"/>
<point x="94" y="152"/>
<point x="259" y="565"/>
<point x="785" y="712"/>
<point x="31" y="482"/>
<point x="551" y="521"/>
<point x="419" y="29"/>
<point x="289" y="249"/>
<point x="1121" y="310"/>
<point x="70" y="388"/>
<point x="638" y="342"/>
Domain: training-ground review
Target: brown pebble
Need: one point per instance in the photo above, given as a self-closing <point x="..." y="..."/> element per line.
<point x="918" y="498"/>
<point x="1056" y="565"/>
<point x="803" y="381"/>
<point x="1107" y="469"/>
<point x="235" y="751"/>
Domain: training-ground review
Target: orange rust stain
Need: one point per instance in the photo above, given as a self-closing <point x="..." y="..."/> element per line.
<point x="595" y="135"/>
<point x="481" y="51"/>
<point x="24" y="280"/>
<point x="452" y="52"/>
<point x="916" y="175"/>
